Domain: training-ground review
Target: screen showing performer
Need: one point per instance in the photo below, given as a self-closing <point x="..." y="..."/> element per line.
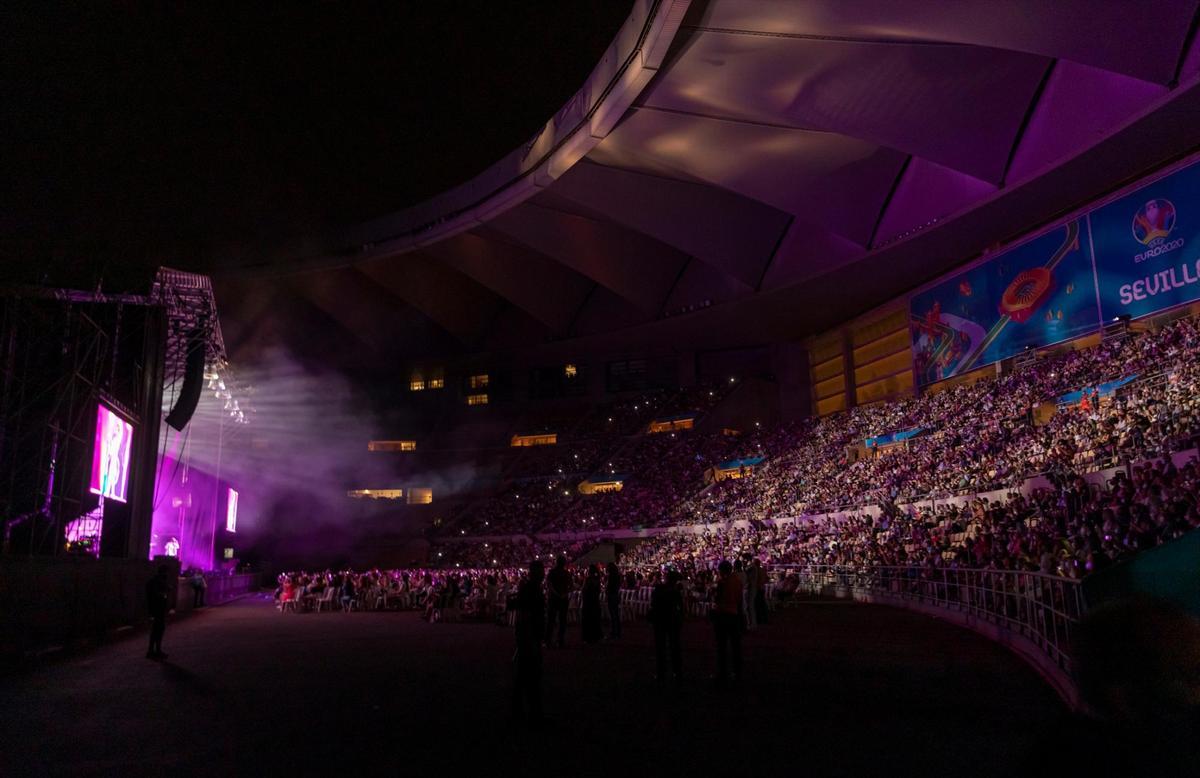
<point x="110" y="456"/>
<point x="231" y="511"/>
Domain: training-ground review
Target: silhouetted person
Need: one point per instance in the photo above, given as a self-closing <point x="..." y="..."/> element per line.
<point x="158" y="602"/>
<point x="739" y="572"/>
<point x="756" y="597"/>
<point x="589" y="612"/>
<point x="531" y="614"/>
<point x="199" y="585"/>
<point x="666" y="614"/>
<point x="1137" y="662"/>
<point x="558" y="590"/>
<point x="727" y="622"/>
<point x="612" y="594"/>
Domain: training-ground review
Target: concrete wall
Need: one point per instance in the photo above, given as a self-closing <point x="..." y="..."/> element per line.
<point x="1170" y="571"/>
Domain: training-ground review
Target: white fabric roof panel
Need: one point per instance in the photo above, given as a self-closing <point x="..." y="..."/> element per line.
<point x="781" y="148"/>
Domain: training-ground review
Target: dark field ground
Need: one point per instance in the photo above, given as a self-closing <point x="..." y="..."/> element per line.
<point x="829" y="689"/>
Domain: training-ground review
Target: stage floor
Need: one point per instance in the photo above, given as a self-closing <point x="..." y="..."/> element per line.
<point x="830" y="688"/>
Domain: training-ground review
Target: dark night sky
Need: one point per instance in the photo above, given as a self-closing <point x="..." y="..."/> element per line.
<point x="175" y="133"/>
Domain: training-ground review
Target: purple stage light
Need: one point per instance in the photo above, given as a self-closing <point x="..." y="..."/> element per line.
<point x="188" y="514"/>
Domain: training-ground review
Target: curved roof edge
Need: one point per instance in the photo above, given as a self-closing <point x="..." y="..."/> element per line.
<point x="628" y="64"/>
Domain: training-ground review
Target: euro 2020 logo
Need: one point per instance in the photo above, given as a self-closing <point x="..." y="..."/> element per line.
<point x="1153" y="222"/>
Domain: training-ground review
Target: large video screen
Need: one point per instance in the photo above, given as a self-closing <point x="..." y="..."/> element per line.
<point x="110" y="455"/>
<point x="231" y="511"/>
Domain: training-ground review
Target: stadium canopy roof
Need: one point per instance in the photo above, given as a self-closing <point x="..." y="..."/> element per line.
<point x="736" y="170"/>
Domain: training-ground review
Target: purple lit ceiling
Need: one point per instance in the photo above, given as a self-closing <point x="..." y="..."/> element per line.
<point x="779" y="165"/>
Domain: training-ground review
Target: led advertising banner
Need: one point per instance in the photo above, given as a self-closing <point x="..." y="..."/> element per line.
<point x="1136" y="255"/>
<point x="1147" y="246"/>
<point x="110" y="455"/>
<point x="1040" y="292"/>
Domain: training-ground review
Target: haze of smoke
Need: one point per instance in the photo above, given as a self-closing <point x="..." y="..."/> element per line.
<point x="304" y="447"/>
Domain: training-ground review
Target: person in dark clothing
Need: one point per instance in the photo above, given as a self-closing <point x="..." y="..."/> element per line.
<point x="558" y="591"/>
<point x="158" y="602"/>
<point x="589" y="614"/>
<point x="612" y="594"/>
<point x="666" y="614"/>
<point x="757" y="595"/>
<point x="199" y="585"/>
<point x="531" y="614"/>
<point x="727" y="622"/>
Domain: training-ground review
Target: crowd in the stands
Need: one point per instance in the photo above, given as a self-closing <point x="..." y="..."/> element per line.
<point x="991" y="434"/>
<point x="480" y="555"/>
<point x="658" y="472"/>
<point x="571" y="458"/>
<point x="981" y="436"/>
<point x="624" y="417"/>
<point x="541" y="488"/>
<point x="523" y="507"/>
<point x="1069" y="529"/>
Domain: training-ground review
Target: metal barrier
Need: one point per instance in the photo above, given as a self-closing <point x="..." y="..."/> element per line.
<point x="1032" y="614"/>
<point x="219" y="589"/>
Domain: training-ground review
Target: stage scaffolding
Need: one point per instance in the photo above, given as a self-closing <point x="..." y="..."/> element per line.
<point x="62" y="352"/>
<point x="224" y="408"/>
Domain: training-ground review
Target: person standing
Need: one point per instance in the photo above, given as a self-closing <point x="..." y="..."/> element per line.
<point x="666" y="614"/>
<point x="348" y="593"/>
<point x="752" y="584"/>
<point x="530" y="616"/>
<point x="199" y="585"/>
<point x="756" y="599"/>
<point x="612" y="594"/>
<point x="739" y="572"/>
<point x="589" y="613"/>
<point x="558" y="589"/>
<point x="727" y="622"/>
<point x="158" y="602"/>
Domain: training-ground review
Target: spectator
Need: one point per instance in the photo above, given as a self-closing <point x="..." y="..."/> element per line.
<point x="199" y="585"/>
<point x="727" y="627"/>
<point x="530" y="615"/>
<point x="666" y="614"/>
<point x="589" y="616"/>
<point x="158" y="599"/>
<point x="558" y="591"/>
<point x="756" y="601"/>
<point x="612" y="595"/>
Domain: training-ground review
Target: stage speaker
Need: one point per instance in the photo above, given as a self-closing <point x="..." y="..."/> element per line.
<point x="193" y="382"/>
